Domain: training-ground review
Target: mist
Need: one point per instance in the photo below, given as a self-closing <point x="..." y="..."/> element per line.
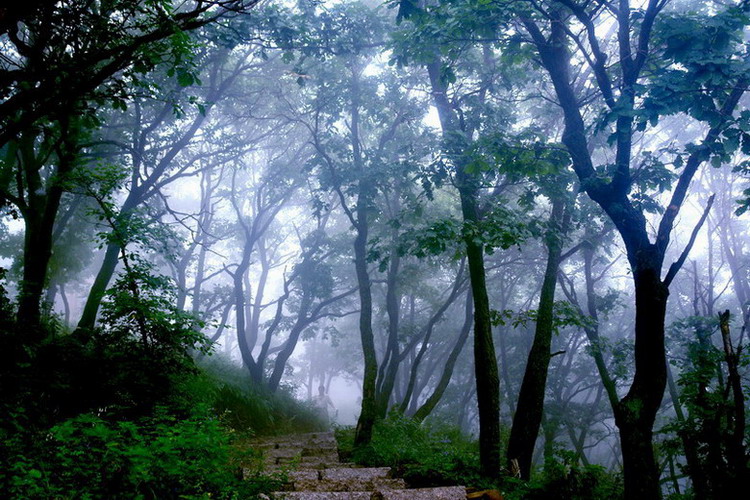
<point x="496" y="247"/>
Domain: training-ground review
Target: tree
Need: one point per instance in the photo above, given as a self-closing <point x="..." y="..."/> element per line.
<point x="634" y="100"/>
<point x="529" y="409"/>
<point x="70" y="55"/>
<point x="66" y="58"/>
<point x="157" y="150"/>
<point x="360" y="128"/>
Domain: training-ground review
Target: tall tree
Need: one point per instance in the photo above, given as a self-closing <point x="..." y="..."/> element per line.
<point x="529" y="409"/>
<point x="631" y="99"/>
<point x="66" y="58"/>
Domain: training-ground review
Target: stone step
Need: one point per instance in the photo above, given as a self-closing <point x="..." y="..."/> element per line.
<point x="344" y="479"/>
<point x="362" y="473"/>
<point x="322" y="495"/>
<point x="300" y="440"/>
<point x="317" y="473"/>
<point x="442" y="493"/>
<point x="311" y="451"/>
<point x="300" y="462"/>
<point x="309" y="465"/>
<point x="316" y="438"/>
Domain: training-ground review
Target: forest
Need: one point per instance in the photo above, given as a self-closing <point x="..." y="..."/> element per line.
<point x="504" y="243"/>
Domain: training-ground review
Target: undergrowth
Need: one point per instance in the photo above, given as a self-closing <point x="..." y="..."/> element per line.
<point x="123" y="412"/>
<point x="428" y="455"/>
<point x="251" y="408"/>
<point x="424" y="456"/>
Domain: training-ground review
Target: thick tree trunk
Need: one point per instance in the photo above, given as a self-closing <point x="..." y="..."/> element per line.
<point x="636" y="412"/>
<point x="39" y="213"/>
<point x="530" y="407"/>
<point x="37" y="253"/>
<point x="485" y="368"/>
<point x="485" y="362"/>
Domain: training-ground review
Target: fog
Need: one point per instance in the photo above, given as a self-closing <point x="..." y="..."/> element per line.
<point x="521" y="221"/>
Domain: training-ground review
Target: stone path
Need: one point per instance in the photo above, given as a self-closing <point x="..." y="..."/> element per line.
<point x="317" y="474"/>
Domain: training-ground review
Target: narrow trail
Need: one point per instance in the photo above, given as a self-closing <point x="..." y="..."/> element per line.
<point x="318" y="474"/>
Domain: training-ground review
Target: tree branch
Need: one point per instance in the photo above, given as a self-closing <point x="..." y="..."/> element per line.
<point x="675" y="267"/>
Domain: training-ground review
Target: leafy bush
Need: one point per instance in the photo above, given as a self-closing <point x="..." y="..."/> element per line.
<point x="122" y="411"/>
<point x="423" y="456"/>
<point x="135" y="361"/>
<point x="438" y="456"/>
<point x="162" y="457"/>
<point x="564" y="478"/>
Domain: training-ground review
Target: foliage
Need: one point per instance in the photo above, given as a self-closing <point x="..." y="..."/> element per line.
<point x="163" y="457"/>
<point x="254" y="409"/>
<point x="437" y="456"/>
<point x="707" y="420"/>
<point x="101" y="416"/>
<point x="502" y="228"/>
<point x="564" y="478"/>
<point x="81" y="55"/>
<point x="565" y="315"/>
<point x="423" y="456"/>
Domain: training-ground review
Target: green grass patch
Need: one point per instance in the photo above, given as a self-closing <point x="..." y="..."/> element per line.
<point x="423" y="455"/>
<point x="429" y="455"/>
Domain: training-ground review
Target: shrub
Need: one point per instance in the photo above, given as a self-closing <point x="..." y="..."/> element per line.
<point x="162" y="457"/>
<point x="424" y="456"/>
<point x="564" y="478"/>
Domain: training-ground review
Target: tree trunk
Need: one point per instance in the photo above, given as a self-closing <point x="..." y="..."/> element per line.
<point x="410" y="398"/>
<point x="437" y="394"/>
<point x="392" y="359"/>
<point x="368" y="412"/>
<point x="694" y="469"/>
<point x="485" y="362"/>
<point x="36" y="255"/>
<point x="530" y="406"/>
<point x="636" y="412"/>
<point x="289" y="345"/>
<point x="736" y="458"/>
<point x="39" y="218"/>
<point x="109" y="264"/>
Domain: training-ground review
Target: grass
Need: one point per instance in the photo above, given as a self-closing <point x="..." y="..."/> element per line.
<point x="430" y="455"/>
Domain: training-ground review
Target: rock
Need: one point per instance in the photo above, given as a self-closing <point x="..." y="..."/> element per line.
<point x="318" y="475"/>
<point x="322" y="495"/>
<point x="443" y="493"/>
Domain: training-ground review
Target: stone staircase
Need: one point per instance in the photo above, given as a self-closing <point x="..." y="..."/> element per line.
<point x="317" y="474"/>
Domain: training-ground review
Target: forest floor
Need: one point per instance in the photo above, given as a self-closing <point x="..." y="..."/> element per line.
<point x="316" y="473"/>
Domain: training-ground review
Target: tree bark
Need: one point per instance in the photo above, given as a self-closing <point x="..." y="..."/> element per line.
<point x="391" y="361"/>
<point x="39" y="213"/>
<point x="369" y="411"/>
<point x="636" y="412"/>
<point x="736" y="458"/>
<point x="530" y="406"/>
<point x="432" y="401"/>
<point x="485" y="362"/>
